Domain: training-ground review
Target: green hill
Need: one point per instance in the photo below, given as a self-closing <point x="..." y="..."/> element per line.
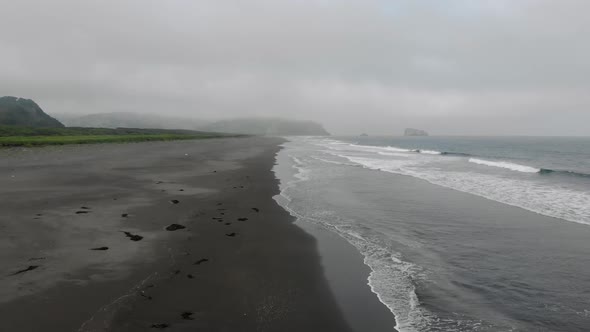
<point x="24" y="112"/>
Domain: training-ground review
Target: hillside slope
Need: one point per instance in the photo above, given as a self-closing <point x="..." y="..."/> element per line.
<point x="24" y="112"/>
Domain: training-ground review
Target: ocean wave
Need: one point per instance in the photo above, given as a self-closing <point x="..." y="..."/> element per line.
<point x="392" y="278"/>
<point x="404" y="150"/>
<point x="506" y="165"/>
<point x="429" y="152"/>
<point x="567" y="204"/>
<point x="473" y="158"/>
<point x="547" y="171"/>
<point x="379" y="148"/>
<point x="393" y="154"/>
<point x="458" y="154"/>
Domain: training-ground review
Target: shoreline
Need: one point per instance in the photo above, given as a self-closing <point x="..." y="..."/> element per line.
<point x="240" y="264"/>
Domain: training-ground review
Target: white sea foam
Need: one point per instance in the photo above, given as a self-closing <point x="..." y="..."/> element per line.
<point x="431" y="152"/>
<point x="391" y="278"/>
<point x="505" y="164"/>
<point x="544" y="199"/>
<point x="391" y="148"/>
<point x="393" y="154"/>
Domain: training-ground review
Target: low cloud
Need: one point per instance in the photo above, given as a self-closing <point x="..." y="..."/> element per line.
<point x="458" y="67"/>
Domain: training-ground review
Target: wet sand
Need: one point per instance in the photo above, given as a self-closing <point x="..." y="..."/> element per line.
<point x="177" y="236"/>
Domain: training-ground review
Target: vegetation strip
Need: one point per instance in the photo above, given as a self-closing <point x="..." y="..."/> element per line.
<point x="87" y="139"/>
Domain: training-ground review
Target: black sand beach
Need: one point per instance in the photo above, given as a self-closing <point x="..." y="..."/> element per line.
<point x="177" y="236"/>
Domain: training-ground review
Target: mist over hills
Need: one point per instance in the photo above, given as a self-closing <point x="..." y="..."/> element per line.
<point x="267" y="126"/>
<point x="129" y="120"/>
<point x="26" y="113"/>
<point x="249" y="126"/>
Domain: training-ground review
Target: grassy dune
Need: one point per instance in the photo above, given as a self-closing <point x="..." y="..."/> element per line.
<point x="87" y="139"/>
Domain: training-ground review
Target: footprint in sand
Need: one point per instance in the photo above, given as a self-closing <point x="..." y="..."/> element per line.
<point x="36" y="259"/>
<point x="143" y="294"/>
<point x="187" y="315"/>
<point x="160" y="326"/>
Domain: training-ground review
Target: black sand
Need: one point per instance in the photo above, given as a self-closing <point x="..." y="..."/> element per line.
<point x="239" y="265"/>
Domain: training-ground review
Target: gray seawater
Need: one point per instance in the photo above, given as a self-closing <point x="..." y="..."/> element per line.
<point x="461" y="234"/>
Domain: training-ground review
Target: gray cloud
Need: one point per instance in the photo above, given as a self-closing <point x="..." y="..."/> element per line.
<point x="453" y="67"/>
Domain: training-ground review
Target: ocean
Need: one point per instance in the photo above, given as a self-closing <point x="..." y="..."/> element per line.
<point x="460" y="233"/>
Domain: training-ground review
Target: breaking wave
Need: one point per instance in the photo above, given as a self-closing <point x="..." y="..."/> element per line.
<point x="506" y="165"/>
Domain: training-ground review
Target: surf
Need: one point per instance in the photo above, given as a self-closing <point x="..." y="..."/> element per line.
<point x="506" y="165"/>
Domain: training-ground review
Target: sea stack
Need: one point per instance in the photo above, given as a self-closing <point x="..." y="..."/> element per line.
<point x="415" y="132"/>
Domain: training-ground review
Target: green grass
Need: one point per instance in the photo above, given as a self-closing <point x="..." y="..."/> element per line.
<point x="31" y="136"/>
<point x="89" y="139"/>
<point x="83" y="131"/>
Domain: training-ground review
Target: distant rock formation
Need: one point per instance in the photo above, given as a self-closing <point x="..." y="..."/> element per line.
<point x="364" y="135"/>
<point x="267" y="127"/>
<point x="24" y="112"/>
<point x="415" y="132"/>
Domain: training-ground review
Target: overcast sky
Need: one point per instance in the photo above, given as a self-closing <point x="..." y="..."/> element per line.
<point x="450" y="67"/>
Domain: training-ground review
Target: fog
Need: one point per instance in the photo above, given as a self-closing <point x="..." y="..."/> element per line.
<point x="497" y="67"/>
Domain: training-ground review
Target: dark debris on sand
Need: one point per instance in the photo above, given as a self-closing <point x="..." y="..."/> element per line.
<point x="256" y="209"/>
<point x="231" y="234"/>
<point x="100" y="248"/>
<point x="82" y="212"/>
<point x="133" y="237"/>
<point x="201" y="261"/>
<point x="175" y="227"/>
<point x="174" y="201"/>
<point x="30" y="268"/>
<point x="242" y="219"/>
